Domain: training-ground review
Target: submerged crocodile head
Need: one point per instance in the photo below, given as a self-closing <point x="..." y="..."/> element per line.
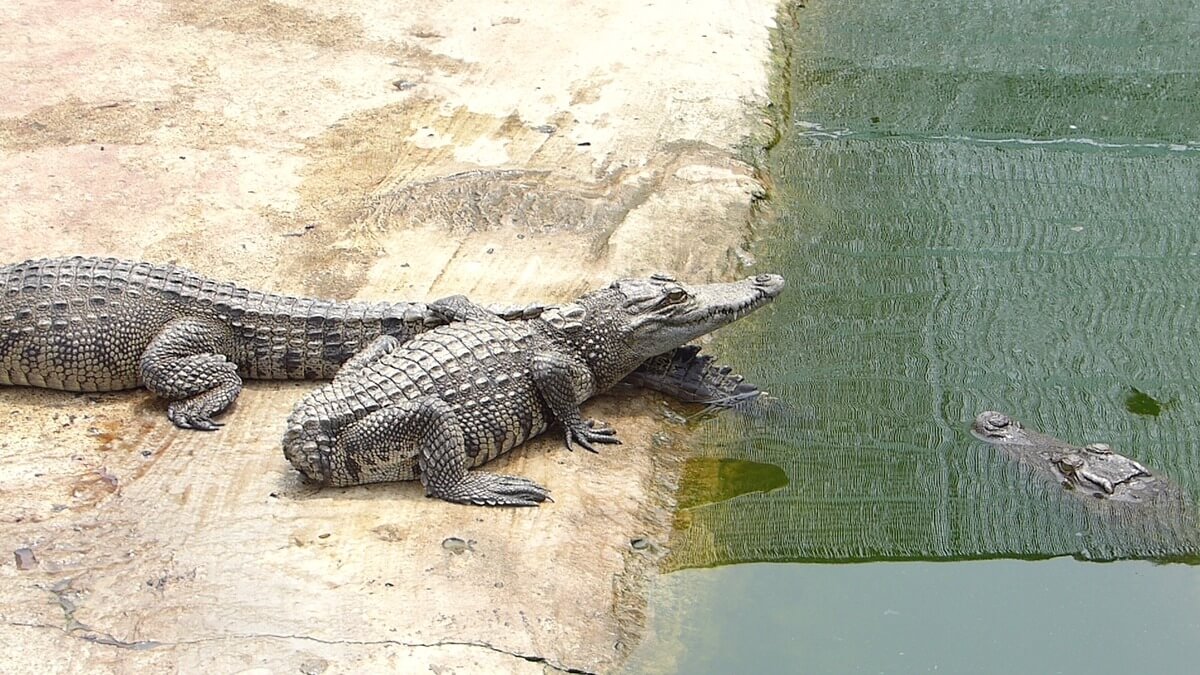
<point x="616" y="328"/>
<point x="996" y="427"/>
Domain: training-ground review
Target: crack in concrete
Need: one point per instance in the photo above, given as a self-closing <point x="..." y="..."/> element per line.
<point x="99" y="637"/>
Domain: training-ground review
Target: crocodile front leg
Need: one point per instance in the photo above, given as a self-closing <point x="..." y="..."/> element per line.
<point x="184" y="365"/>
<point x="423" y="439"/>
<point x="558" y="380"/>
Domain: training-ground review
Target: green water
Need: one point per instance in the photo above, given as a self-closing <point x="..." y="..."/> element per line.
<point x="981" y="205"/>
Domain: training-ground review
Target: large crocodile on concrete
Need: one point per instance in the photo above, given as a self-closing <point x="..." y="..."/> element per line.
<point x="102" y="324"/>
<point x="463" y="394"/>
<point x="1091" y="471"/>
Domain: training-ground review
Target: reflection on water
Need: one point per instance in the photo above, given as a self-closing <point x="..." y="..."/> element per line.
<point x="979" y="618"/>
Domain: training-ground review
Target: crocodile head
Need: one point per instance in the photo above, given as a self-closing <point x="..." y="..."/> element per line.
<point x="616" y="328"/>
<point x="996" y="427"/>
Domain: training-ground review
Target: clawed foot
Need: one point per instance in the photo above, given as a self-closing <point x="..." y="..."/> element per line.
<point x="199" y="388"/>
<point x="591" y="432"/>
<point x="185" y="417"/>
<point x="489" y="489"/>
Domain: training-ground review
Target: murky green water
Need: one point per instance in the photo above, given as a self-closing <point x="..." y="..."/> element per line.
<point x="982" y="205"/>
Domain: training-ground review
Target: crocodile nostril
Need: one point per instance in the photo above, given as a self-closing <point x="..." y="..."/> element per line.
<point x="763" y="279"/>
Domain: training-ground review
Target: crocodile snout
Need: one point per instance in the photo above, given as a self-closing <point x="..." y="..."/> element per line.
<point x="990" y="425"/>
<point x="771" y="284"/>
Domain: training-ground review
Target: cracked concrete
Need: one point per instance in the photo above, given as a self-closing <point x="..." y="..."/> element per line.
<point x="513" y="151"/>
<point x="87" y="635"/>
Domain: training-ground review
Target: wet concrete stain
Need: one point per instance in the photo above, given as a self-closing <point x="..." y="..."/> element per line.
<point x="473" y="201"/>
<point x="418" y="163"/>
<point x="125" y="450"/>
<point x="384" y="168"/>
<point x="284" y="23"/>
<point x="73" y="121"/>
<point x="93" y="487"/>
<point x="123" y="436"/>
<point x="265" y="19"/>
<point x="90" y="448"/>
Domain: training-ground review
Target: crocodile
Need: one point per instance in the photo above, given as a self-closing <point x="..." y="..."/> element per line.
<point x="462" y="394"/>
<point x="103" y="324"/>
<point x="1094" y="470"/>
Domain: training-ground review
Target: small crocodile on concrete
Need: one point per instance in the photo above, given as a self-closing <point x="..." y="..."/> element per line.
<point x="1092" y="470"/>
<point x="102" y="324"/>
<point x="463" y="394"/>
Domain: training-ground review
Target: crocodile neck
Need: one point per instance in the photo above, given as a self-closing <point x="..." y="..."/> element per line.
<point x="607" y="359"/>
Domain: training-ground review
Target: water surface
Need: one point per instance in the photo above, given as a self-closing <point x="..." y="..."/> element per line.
<point x="980" y="206"/>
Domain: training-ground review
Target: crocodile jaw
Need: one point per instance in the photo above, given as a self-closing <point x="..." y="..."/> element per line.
<point x="705" y="309"/>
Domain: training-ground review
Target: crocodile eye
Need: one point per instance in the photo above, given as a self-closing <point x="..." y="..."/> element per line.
<point x="677" y="295"/>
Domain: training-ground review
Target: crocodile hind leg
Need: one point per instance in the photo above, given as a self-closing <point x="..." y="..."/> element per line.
<point x="377" y="348"/>
<point x="184" y="365"/>
<point x="457" y="308"/>
<point x="423" y="439"/>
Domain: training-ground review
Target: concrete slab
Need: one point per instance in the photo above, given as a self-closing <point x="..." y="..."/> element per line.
<point x="513" y="151"/>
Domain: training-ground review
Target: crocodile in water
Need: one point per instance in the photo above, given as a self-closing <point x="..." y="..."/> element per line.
<point x="1092" y="471"/>
<point x="462" y="394"/>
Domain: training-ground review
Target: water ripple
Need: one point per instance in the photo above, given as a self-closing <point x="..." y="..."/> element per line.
<point x="818" y="132"/>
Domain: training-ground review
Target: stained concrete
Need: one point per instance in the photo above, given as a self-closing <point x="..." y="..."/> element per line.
<point x="512" y="151"/>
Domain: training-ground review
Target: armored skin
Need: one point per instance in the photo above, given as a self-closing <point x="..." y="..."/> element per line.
<point x="463" y="394"/>
<point x="101" y="324"/>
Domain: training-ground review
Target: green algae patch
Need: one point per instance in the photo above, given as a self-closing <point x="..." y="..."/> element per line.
<point x="1139" y="402"/>
<point x="708" y="480"/>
